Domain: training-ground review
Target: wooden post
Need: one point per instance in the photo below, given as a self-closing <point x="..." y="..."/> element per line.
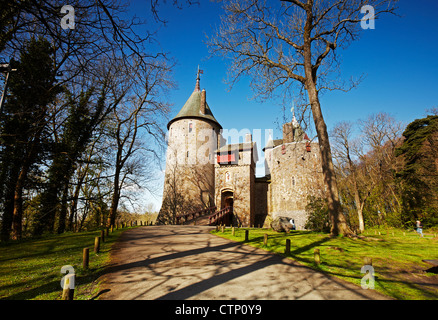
<point x="112" y="228"/>
<point x="96" y="245"/>
<point x="316" y="256"/>
<point x="287" y="249"/>
<point x="85" y="258"/>
<point x="223" y="228"/>
<point x="368" y="261"/>
<point x="102" y="235"/>
<point x="246" y="235"/>
<point x="265" y="239"/>
<point x="67" y="293"/>
<point x="233" y="232"/>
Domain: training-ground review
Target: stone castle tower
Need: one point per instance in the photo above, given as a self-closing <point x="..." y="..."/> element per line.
<point x="294" y="172"/>
<point x="189" y="175"/>
<point x="203" y="171"/>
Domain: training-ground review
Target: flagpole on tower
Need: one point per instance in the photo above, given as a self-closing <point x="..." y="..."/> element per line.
<point x="198" y="78"/>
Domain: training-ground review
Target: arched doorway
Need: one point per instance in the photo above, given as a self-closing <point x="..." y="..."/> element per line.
<point x="227" y="199"/>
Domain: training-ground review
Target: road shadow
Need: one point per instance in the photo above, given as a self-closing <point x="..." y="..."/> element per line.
<point x="172" y="272"/>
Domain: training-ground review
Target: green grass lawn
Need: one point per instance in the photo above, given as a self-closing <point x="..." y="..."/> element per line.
<point x="31" y="269"/>
<point x="396" y="257"/>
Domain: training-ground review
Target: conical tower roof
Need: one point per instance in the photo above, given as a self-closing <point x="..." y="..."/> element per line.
<point x="192" y="108"/>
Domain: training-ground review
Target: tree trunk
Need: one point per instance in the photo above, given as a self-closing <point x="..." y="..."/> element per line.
<point x="10" y="175"/>
<point x="63" y="209"/>
<point x="337" y="219"/>
<point x="115" y="198"/>
<point x="74" y="201"/>
<point x="359" y="204"/>
<point x="17" y="217"/>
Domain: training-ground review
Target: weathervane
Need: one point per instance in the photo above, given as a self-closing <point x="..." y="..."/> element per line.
<point x="198" y="78"/>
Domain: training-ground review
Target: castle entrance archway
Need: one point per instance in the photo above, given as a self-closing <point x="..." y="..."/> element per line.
<point x="227" y="199"/>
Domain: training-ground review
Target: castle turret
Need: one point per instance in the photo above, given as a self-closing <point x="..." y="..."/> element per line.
<point x="192" y="140"/>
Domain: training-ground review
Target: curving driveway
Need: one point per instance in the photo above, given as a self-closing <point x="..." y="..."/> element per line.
<point x="186" y="262"/>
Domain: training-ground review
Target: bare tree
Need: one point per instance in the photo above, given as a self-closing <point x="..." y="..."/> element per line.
<point x="294" y="43"/>
<point x="343" y="152"/>
<point x="138" y="115"/>
<point x="365" y="160"/>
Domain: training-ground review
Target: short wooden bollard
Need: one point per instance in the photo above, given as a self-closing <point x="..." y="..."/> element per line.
<point x="233" y="231"/>
<point x="223" y="229"/>
<point x="102" y="235"/>
<point x="265" y="239"/>
<point x="287" y="249"/>
<point x="368" y="261"/>
<point x="85" y="258"/>
<point x="246" y="235"/>
<point x="97" y="245"/>
<point x="316" y="256"/>
<point x="67" y="292"/>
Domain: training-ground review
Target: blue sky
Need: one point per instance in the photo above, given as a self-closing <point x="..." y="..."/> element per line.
<point x="398" y="58"/>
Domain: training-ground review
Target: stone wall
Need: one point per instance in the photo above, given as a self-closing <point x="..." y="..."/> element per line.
<point x="240" y="180"/>
<point x="189" y="174"/>
<point x="295" y="174"/>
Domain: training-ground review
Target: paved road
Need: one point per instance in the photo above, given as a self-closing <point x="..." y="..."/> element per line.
<point x="186" y="262"/>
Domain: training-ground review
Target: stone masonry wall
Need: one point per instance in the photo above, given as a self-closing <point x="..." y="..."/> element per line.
<point x="189" y="172"/>
<point x="295" y="174"/>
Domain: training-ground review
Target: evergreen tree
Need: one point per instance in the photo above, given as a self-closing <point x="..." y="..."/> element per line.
<point x="419" y="175"/>
<point x="23" y="128"/>
<point x="82" y="119"/>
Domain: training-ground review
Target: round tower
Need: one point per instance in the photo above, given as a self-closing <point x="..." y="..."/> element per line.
<point x="192" y="141"/>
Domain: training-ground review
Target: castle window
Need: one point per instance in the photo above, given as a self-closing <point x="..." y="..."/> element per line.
<point x="190" y="126"/>
<point x="293" y="181"/>
<point x="227" y="158"/>
<point x="187" y="154"/>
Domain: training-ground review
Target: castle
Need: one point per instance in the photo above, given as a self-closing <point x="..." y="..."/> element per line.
<point x="203" y="171"/>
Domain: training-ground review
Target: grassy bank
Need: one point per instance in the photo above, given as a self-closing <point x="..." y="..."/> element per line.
<point x="396" y="257"/>
<point x="31" y="269"/>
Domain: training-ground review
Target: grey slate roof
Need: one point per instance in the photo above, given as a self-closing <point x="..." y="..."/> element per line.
<point x="236" y="147"/>
<point x="273" y="143"/>
<point x="191" y="109"/>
